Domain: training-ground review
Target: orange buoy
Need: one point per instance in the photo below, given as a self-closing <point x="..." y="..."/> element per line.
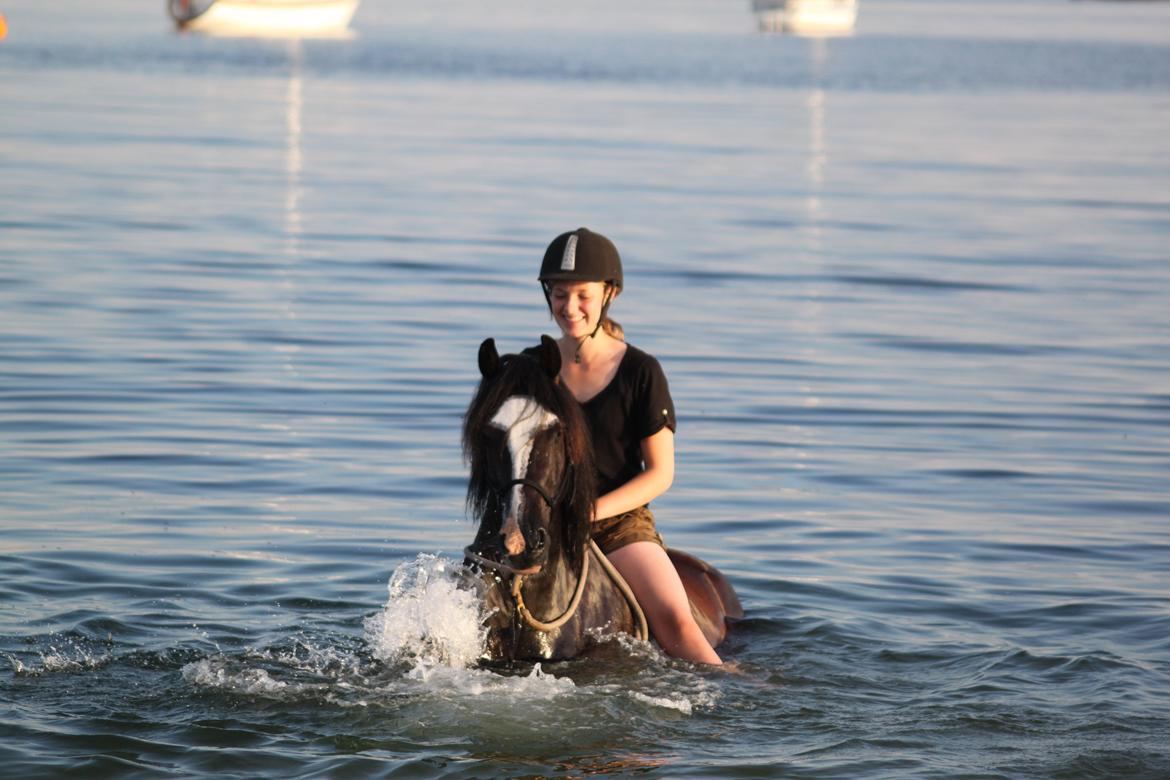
<point x="3" y="27"/>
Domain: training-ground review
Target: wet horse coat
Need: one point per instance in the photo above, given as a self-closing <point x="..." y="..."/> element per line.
<point x="532" y="490"/>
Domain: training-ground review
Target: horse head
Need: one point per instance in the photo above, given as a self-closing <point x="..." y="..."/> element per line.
<point x="531" y="484"/>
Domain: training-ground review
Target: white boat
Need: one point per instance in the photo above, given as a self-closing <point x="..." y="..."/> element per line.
<point x="279" y="18"/>
<point x="806" y="17"/>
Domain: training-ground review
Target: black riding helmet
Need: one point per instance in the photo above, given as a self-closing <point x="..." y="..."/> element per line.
<point x="582" y="256"/>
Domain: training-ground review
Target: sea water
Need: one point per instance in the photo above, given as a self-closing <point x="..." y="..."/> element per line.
<point x="911" y="288"/>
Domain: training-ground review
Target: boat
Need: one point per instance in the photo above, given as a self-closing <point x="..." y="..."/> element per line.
<point x="806" y="17"/>
<point x="278" y="18"/>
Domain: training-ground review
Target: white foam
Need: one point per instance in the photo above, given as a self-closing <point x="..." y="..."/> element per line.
<point x="681" y="704"/>
<point x="217" y="673"/>
<point x="536" y="686"/>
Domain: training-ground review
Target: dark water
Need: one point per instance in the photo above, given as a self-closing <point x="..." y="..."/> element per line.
<point x="912" y="289"/>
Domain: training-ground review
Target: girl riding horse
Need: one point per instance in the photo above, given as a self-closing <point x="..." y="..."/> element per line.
<point x="626" y="400"/>
<point x="549" y="592"/>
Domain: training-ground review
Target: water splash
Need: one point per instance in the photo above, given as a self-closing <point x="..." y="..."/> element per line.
<point x="433" y="625"/>
<point x="680" y="703"/>
<point x="433" y="617"/>
<point x="421" y="652"/>
<point x="63" y="653"/>
<point x="220" y="674"/>
<point x="424" y="644"/>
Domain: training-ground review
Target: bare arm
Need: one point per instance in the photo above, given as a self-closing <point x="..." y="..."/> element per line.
<point x="658" y="457"/>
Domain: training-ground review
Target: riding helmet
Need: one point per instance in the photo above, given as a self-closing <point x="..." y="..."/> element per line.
<point x="581" y="256"/>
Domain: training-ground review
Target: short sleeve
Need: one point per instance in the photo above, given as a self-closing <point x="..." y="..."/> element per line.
<point x="653" y="406"/>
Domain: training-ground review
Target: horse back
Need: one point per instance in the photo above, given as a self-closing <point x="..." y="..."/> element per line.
<point x="712" y="598"/>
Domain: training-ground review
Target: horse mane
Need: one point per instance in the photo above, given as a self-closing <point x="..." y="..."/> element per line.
<point x="527" y="375"/>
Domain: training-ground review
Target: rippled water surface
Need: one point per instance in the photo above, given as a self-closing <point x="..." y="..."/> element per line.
<point x="911" y="287"/>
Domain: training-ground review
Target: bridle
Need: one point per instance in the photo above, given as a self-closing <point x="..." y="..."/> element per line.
<point x="642" y="630"/>
<point x="563" y="491"/>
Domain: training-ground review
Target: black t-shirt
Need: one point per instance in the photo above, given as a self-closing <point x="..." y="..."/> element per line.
<point x="636" y="404"/>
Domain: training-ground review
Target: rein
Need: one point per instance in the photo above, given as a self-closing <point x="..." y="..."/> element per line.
<point x="642" y="629"/>
<point x="539" y="625"/>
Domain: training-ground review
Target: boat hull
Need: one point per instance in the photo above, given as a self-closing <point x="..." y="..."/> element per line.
<point x="807" y="17"/>
<point x="280" y="18"/>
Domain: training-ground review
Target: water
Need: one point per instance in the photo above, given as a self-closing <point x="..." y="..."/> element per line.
<point x="911" y="288"/>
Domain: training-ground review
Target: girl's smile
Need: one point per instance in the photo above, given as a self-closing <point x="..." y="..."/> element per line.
<point x="577" y="307"/>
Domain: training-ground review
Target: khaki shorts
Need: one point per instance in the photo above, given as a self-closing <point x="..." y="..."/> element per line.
<point x="637" y="525"/>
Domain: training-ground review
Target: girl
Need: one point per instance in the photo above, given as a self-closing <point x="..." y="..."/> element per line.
<point x="626" y="400"/>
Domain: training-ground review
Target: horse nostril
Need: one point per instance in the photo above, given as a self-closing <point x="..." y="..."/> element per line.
<point x="512" y="538"/>
<point x="541" y="540"/>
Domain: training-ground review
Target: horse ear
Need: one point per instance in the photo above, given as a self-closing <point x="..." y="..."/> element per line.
<point x="489" y="359"/>
<point x="550" y="356"/>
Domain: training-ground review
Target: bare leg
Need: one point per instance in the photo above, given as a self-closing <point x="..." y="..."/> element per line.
<point x="655" y="582"/>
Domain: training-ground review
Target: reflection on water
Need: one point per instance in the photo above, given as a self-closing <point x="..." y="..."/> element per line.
<point x="294" y="163"/>
<point x="293" y="225"/>
<point x="814" y="215"/>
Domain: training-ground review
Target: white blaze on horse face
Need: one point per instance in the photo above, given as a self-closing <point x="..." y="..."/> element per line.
<point x="521" y="418"/>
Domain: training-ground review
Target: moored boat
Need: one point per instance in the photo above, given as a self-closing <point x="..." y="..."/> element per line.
<point x="806" y="17"/>
<point x="288" y="18"/>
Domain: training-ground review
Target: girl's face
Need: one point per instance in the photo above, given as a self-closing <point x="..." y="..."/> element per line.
<point x="576" y="307"/>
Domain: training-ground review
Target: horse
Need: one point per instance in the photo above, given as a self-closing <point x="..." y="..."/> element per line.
<point x="550" y="593"/>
